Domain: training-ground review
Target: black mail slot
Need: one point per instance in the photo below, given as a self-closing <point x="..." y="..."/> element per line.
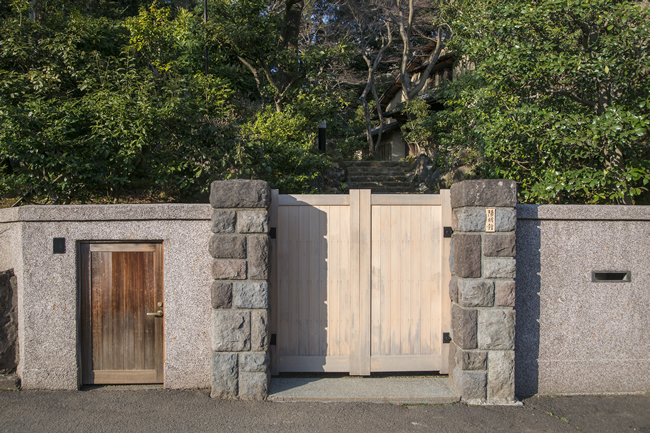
<point x="611" y="276"/>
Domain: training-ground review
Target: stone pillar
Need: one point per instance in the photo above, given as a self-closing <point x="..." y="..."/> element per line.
<point x="482" y="291"/>
<point x="240" y="291"/>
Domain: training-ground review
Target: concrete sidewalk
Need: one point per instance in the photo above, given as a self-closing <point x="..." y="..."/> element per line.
<point x="132" y="409"/>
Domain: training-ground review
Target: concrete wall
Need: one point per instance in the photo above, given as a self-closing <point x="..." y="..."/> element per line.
<point x="573" y="335"/>
<point x="47" y="284"/>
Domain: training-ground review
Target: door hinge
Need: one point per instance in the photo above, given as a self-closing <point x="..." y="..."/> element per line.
<point x="446" y="338"/>
<point x="447" y="231"/>
<point x="272" y="343"/>
<point x="272" y="233"/>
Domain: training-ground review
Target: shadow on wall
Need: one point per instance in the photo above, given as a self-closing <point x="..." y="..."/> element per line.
<point x="527" y="306"/>
<point x="8" y="323"/>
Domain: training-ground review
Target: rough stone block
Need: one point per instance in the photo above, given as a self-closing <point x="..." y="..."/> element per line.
<point x="251" y="221"/>
<point x="452" y="359"/>
<point x="9" y="382"/>
<point x="231" y="330"/>
<point x="484" y="193"/>
<point x="467" y="255"/>
<point x="221" y="294"/>
<point x="505" y="294"/>
<point x="225" y="375"/>
<point x="505" y="220"/>
<point x="470" y="219"/>
<point x="259" y="331"/>
<point x="499" y="244"/>
<point x="251" y="295"/>
<point x="475" y="293"/>
<point x="258" y="257"/>
<point x="470" y="359"/>
<point x="463" y="327"/>
<point x="253" y="386"/>
<point x="227" y="247"/>
<point x="453" y="289"/>
<point x="496" y="329"/>
<point x="254" y="362"/>
<point x="223" y="221"/>
<point x="228" y="269"/>
<point x="501" y="377"/>
<point x="471" y="385"/>
<point x="240" y="193"/>
<point x="505" y="267"/>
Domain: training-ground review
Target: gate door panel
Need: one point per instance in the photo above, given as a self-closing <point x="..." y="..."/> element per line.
<point x="358" y="282"/>
<point x="121" y="313"/>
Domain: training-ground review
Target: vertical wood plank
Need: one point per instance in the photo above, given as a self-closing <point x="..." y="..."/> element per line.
<point x="414" y="262"/>
<point x="365" y="233"/>
<point x="304" y="281"/>
<point x="427" y="289"/>
<point x="150" y="325"/>
<point x="355" y="350"/>
<point x="132" y="274"/>
<point x="385" y="281"/>
<point x="324" y="236"/>
<point x="345" y="282"/>
<point x="314" y="281"/>
<point x="375" y="311"/>
<point x="294" y="263"/>
<point x="405" y="283"/>
<point x="395" y="282"/>
<point x="274" y="281"/>
<point x="104" y="310"/>
<point x="445" y="316"/>
<point x="333" y="282"/>
<point x="140" y="311"/>
<point x="284" y="276"/>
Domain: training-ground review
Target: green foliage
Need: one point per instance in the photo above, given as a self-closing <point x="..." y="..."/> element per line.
<point x="556" y="97"/>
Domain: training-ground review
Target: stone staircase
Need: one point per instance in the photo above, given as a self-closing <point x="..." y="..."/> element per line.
<point x="381" y="177"/>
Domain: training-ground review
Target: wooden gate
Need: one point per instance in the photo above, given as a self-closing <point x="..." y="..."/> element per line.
<point x="359" y="282"/>
<point x="121" y="313"/>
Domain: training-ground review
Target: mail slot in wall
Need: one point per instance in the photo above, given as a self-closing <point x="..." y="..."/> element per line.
<point x="611" y="276"/>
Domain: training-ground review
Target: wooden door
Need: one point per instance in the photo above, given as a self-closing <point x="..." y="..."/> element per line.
<point x="359" y="282"/>
<point x="121" y="290"/>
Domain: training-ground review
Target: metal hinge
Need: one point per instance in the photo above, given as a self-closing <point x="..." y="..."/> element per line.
<point x="272" y="343"/>
<point x="447" y="232"/>
<point x="272" y="233"/>
<point x="446" y="338"/>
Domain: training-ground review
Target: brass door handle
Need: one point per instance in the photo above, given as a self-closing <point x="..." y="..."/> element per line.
<point x="158" y="313"/>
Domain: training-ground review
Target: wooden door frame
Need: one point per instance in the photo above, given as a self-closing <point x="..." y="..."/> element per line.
<point x="84" y="275"/>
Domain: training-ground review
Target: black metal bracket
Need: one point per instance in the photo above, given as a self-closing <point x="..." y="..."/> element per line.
<point x="273" y="337"/>
<point x="272" y="233"/>
<point x="447" y="232"/>
<point x="446" y="338"/>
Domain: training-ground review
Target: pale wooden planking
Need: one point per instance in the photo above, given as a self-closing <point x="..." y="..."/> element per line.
<point x="355" y="349"/>
<point x="322" y="280"/>
<point x="405" y="280"/>
<point x="375" y="312"/>
<point x="325" y="364"/>
<point x="395" y="282"/>
<point x="414" y="263"/>
<point x="314" y="280"/>
<point x="433" y="272"/>
<point x="293" y="276"/>
<point x="274" y="289"/>
<point x="304" y="288"/>
<point x="365" y="234"/>
<point x="426" y="288"/>
<point x="406" y="199"/>
<point x="314" y="200"/>
<point x="406" y="363"/>
<point x="445" y="316"/>
<point x="334" y="282"/>
<point x="284" y="319"/>
<point x="385" y="292"/>
<point x="344" y="292"/>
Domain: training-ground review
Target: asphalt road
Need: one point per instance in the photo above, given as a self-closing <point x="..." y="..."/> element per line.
<point x="158" y="410"/>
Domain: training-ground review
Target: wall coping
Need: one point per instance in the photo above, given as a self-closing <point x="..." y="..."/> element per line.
<point x="106" y="212"/>
<point x="579" y="212"/>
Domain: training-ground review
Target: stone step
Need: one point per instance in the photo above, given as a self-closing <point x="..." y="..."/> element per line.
<point x="366" y="178"/>
<point x="9" y="382"/>
<point x="376" y="164"/>
<point x="370" y="172"/>
<point x="380" y="183"/>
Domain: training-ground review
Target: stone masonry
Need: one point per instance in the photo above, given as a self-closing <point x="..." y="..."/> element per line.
<point x="8" y="323"/>
<point x="482" y="291"/>
<point x="240" y="291"/>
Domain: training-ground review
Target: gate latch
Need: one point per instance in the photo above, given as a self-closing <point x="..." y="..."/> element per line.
<point x="446" y="338"/>
<point x="447" y="232"/>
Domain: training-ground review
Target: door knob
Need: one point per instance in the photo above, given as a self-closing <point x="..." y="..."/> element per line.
<point x="158" y="313"/>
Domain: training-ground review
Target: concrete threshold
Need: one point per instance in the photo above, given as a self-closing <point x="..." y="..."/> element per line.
<point x="426" y="390"/>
